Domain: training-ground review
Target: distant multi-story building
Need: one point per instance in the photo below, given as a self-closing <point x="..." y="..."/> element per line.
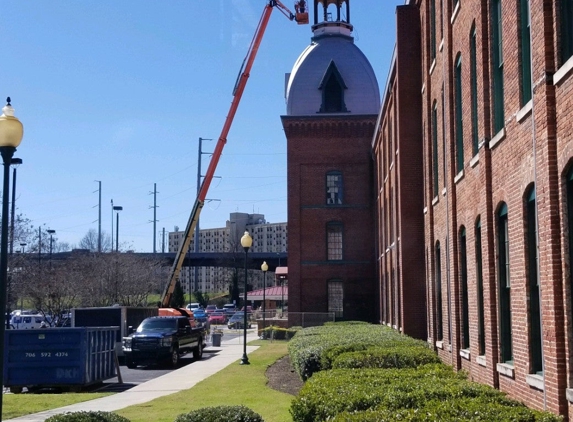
<point x="267" y="237"/>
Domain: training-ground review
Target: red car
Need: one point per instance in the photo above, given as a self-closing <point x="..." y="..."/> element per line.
<point x="210" y="308"/>
<point x="217" y="318"/>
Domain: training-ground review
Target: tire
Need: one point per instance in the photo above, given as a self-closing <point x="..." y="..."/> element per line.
<point x="198" y="351"/>
<point x="130" y="364"/>
<point x="16" y="390"/>
<point x="174" y="360"/>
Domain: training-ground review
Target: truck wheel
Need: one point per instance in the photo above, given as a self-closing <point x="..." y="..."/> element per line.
<point x="198" y="351"/>
<point x="15" y="390"/>
<point x="130" y="364"/>
<point x="175" y="357"/>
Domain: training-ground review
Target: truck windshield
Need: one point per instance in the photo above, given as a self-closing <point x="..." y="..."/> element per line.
<point x="156" y="324"/>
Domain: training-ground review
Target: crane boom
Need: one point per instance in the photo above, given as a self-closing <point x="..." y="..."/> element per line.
<point x="240" y="84"/>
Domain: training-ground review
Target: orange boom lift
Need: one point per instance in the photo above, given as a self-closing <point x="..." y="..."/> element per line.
<point x="301" y="18"/>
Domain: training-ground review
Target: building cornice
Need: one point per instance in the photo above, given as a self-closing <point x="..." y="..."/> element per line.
<point x="330" y="125"/>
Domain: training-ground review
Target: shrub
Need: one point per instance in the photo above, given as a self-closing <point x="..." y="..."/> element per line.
<point x="313" y="349"/>
<point x="87" y="417"/>
<point x="462" y="409"/>
<point x="221" y="413"/>
<point x="386" y="357"/>
<point x="278" y="333"/>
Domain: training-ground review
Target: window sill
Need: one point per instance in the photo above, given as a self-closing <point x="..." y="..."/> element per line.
<point x="435" y="200"/>
<point x="459" y="177"/>
<point x="441" y="47"/>
<point x="481" y="361"/>
<point x="433" y="66"/>
<point x="465" y="353"/>
<point x="444" y="191"/>
<point x="569" y="394"/>
<point x="535" y="381"/>
<point x="524" y="112"/>
<point x="455" y="13"/>
<point x="440" y="344"/>
<point x="506" y="369"/>
<point x="423" y="88"/>
<point x="563" y="71"/>
<point x="425" y="210"/>
<point x="500" y="136"/>
<point x="474" y="161"/>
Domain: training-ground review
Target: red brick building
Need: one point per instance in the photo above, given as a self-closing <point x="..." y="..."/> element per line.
<point x="397" y="150"/>
<point x="496" y="94"/>
<point x="332" y="104"/>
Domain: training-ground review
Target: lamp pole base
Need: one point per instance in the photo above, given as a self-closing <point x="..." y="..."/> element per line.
<point x="245" y="360"/>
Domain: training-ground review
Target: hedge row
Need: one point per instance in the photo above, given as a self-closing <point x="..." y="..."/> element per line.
<point x="206" y="414"/>
<point x="278" y="333"/>
<point x="314" y="349"/>
<point x="429" y="393"/>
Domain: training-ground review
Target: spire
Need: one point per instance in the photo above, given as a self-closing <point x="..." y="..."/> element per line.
<point x="335" y="15"/>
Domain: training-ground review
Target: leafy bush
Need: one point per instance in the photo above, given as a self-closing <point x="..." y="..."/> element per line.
<point x="278" y="333"/>
<point x="462" y="409"/>
<point x="386" y="357"/>
<point x="329" y="393"/>
<point x="313" y="349"/>
<point x="221" y="413"/>
<point x="87" y="417"/>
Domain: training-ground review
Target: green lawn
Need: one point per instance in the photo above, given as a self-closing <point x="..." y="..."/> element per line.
<point x="234" y="385"/>
<point x="15" y="405"/>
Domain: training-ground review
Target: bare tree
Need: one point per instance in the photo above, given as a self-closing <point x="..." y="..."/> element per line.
<point x="90" y="241"/>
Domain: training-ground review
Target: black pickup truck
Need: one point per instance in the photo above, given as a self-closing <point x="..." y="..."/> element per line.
<point x="159" y="339"/>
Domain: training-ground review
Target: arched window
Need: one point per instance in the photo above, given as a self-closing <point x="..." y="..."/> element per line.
<point x="479" y="282"/>
<point x="465" y="316"/>
<point x="438" y="310"/>
<point x="504" y="286"/>
<point x="459" y="115"/>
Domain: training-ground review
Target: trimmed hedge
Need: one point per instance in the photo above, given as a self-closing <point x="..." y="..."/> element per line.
<point x="314" y="349"/>
<point x="221" y="413"/>
<point x="329" y="393"/>
<point x="278" y="333"/>
<point x="87" y="417"/>
<point x="399" y="356"/>
<point x="464" y="409"/>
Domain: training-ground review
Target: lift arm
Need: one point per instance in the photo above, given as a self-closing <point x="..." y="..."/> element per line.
<point x="237" y="94"/>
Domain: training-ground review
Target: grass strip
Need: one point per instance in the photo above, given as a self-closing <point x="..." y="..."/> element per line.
<point x="234" y="385"/>
<point x="15" y="405"/>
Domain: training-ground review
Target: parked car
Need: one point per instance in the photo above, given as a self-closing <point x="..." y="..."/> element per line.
<point x="237" y="321"/>
<point x="217" y="318"/>
<point x="210" y="308"/>
<point x="193" y="306"/>
<point x="230" y="309"/>
<point x="200" y="316"/>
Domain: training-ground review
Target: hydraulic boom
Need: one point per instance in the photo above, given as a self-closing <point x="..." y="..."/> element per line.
<point x="301" y="17"/>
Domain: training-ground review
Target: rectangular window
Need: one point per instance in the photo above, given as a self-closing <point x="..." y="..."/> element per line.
<point x="525" y="44"/>
<point x="334" y="241"/>
<point x="459" y="117"/>
<point x="435" y="149"/>
<point x="334" y="188"/>
<point x="474" y="91"/>
<point x="497" y="45"/>
<point x="536" y="362"/>
<point x="336" y="298"/>
<point x="566" y="30"/>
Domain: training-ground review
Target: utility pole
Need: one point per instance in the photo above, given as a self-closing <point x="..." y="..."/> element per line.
<point x="154" y="217"/>
<point x="163" y="243"/>
<point x="112" y="225"/>
<point x="99" y="217"/>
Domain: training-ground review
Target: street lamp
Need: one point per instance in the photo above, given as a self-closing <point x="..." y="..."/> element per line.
<point x="11" y="133"/>
<point x="265" y="268"/>
<point x="117" y="209"/>
<point x="246" y="242"/>
<point x="15" y="162"/>
<point x="23" y="246"/>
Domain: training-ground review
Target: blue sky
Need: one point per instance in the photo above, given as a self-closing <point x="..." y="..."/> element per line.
<point x="119" y="91"/>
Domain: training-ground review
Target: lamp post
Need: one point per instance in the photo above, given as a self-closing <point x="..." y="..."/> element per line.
<point x="11" y="132"/>
<point x="265" y="268"/>
<point x="15" y="162"/>
<point x="51" y="232"/>
<point x="246" y="242"/>
<point x="23" y="245"/>
<point x="117" y="209"/>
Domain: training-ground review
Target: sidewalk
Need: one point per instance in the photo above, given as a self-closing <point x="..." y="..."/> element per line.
<point x="181" y="379"/>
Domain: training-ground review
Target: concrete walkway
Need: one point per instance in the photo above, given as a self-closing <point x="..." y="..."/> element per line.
<point x="181" y="379"/>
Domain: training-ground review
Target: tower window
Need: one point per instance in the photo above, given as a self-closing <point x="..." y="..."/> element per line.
<point x="334" y="188"/>
<point x="332" y="87"/>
